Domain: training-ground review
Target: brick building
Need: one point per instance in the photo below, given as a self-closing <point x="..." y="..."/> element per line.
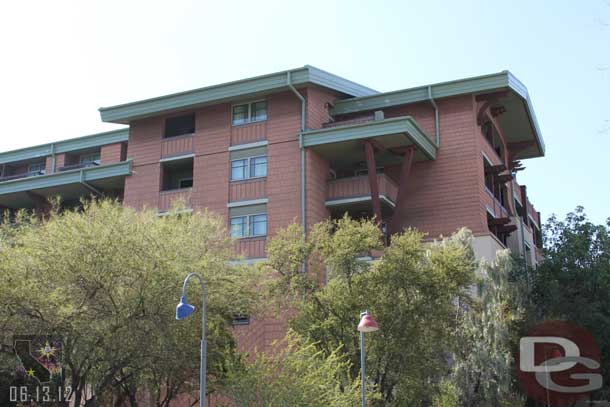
<point x="304" y="145"/>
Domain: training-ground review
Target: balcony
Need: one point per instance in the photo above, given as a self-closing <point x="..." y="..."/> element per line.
<point x="177" y="146"/>
<point x="493" y="206"/>
<point x="354" y="193"/>
<point x="21" y="175"/>
<point x="71" y="184"/>
<point x="169" y="198"/>
<point x="342" y="144"/>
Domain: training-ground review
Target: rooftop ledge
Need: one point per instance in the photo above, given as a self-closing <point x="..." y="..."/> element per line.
<point x="64" y="146"/>
<point x="342" y="144"/>
<point x="76" y="176"/>
<point x="520" y="118"/>
<point x="256" y="86"/>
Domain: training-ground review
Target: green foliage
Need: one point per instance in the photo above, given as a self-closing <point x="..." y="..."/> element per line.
<point x="483" y="366"/>
<point x="573" y="282"/>
<point x="294" y="374"/>
<point x="411" y="291"/>
<point x="106" y="279"/>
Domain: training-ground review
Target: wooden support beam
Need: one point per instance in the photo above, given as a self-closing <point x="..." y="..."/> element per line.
<point x="405" y="172"/>
<point x="498" y="221"/>
<point x="495" y="169"/>
<point x="372" y="170"/>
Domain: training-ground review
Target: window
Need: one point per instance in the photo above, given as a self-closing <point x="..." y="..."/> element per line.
<point x="258" y="167"/>
<point x="87" y="160"/>
<point x="241" y="319"/>
<point x="258" y="225"/>
<point x="249" y="112"/>
<point x="249" y="167"/>
<point x="238" y="169"/>
<point x="185" y="183"/>
<point x="365" y="171"/>
<point x="238" y="226"/>
<point x="36" y="168"/>
<point x="178" y="126"/>
<point x="249" y="225"/>
<point x="489" y="177"/>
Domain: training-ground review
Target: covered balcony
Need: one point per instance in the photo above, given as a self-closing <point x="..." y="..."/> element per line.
<point x="70" y="184"/>
<point x="367" y="147"/>
<point x="353" y="194"/>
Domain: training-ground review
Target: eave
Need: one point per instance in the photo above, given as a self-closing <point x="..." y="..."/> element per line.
<point x="64" y="146"/>
<point x="77" y="176"/>
<point x="477" y="85"/>
<point x="256" y="86"/>
<point x="399" y="132"/>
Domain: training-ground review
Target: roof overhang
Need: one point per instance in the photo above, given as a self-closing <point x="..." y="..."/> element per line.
<point x="342" y="145"/>
<point x="64" y="146"/>
<point x="67" y="184"/>
<point x="519" y="122"/>
<point x="252" y="87"/>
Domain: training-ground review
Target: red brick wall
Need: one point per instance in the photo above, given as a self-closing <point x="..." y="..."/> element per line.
<point x="111" y="153"/>
<point x="283" y="162"/>
<point x="142" y="187"/>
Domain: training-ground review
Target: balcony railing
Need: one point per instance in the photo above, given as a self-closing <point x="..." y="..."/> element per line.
<point x="494" y="206"/>
<point x="177" y="146"/>
<point x="357" y="187"/>
<point x="22" y="175"/>
<point x="167" y="198"/>
<point x="79" y="166"/>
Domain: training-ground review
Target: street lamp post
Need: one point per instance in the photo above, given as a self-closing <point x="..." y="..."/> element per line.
<point x="367" y="324"/>
<point x="183" y="310"/>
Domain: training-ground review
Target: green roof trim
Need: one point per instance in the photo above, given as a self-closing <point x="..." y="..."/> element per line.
<point x="66" y="177"/>
<point x="232" y="90"/>
<point x="64" y="146"/>
<point x="485" y="83"/>
<point x="371" y="129"/>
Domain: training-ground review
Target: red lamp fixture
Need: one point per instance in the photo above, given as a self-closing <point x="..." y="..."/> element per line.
<point x="367" y="323"/>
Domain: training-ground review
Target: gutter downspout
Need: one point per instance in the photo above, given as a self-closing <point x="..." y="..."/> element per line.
<point x="303" y="200"/>
<point x="436" y="120"/>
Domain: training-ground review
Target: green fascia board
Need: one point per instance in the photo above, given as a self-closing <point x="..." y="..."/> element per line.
<point x="485" y="83"/>
<point x="122" y="168"/>
<point x="375" y="128"/>
<point x="64" y="146"/>
<point x="124" y="113"/>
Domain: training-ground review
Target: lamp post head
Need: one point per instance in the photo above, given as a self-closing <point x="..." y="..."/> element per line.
<point x="367" y="323"/>
<point x="183" y="309"/>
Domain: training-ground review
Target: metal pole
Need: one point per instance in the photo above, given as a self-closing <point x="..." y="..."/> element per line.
<point x="202" y="368"/>
<point x="363" y="369"/>
<point x="202" y="374"/>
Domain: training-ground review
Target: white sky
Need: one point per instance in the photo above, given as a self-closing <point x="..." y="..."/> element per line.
<point x="62" y="60"/>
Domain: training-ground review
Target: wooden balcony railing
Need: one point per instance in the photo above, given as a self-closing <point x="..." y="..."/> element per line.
<point x="22" y="175"/>
<point x="252" y="247"/>
<point x="354" y="187"/>
<point x="248" y="133"/>
<point x="167" y="198"/>
<point x="177" y="146"/>
<point x="492" y="203"/>
<point x="248" y="189"/>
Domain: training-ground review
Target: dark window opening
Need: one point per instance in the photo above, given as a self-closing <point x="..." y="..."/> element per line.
<point x="181" y="125"/>
<point x="241" y="319"/>
<point x="177" y="174"/>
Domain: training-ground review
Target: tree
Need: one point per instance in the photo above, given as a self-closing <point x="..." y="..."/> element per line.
<point x="106" y="279"/>
<point x="573" y="281"/>
<point x="296" y="374"/>
<point x="411" y="290"/>
<point x="487" y="334"/>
